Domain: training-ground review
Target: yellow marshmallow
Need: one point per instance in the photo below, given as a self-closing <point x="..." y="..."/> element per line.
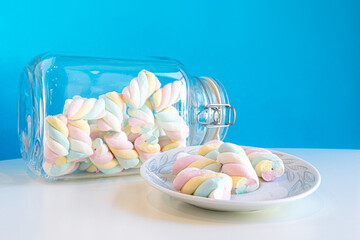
<point x="85" y="108"/>
<point x="201" y="163"/>
<point x="172" y="146"/>
<point x="124" y="153"/>
<point x="157" y="96"/>
<point x="92" y="168"/>
<point x="61" y="161"/>
<point x="170" y="109"/>
<point x="208" y="148"/>
<point x="58" y="124"/>
<point x="82" y="124"/>
<point x="263" y="166"/>
<point x="113" y="163"/>
<point x="238" y="181"/>
<point x="148" y="104"/>
<point x="149" y="148"/>
<point x="191" y="185"/>
<point x="115" y="97"/>
<point x="135" y="129"/>
<point x="152" y="82"/>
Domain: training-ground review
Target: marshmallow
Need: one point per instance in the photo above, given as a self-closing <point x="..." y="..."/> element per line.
<point x="140" y="89"/>
<point x="131" y="132"/>
<point x="267" y="165"/>
<point x="172" y="123"/>
<point x="56" y="136"/>
<point x="142" y="117"/>
<point x="103" y="159"/>
<point x="80" y="141"/>
<point x="88" y="166"/>
<point x="170" y="94"/>
<point x="114" y="112"/>
<point x="167" y="144"/>
<point x="146" y="150"/>
<point x="83" y="108"/>
<point x="122" y="149"/>
<point x="185" y="160"/>
<point x="62" y="166"/>
<point x="57" y="147"/>
<point x="237" y="165"/>
<point x="210" y="149"/>
<point x="203" y="183"/>
<point x="147" y="145"/>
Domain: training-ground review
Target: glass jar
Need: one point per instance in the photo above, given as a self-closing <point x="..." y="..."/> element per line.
<point x="73" y="113"/>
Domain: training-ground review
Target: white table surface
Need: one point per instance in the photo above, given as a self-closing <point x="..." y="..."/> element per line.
<point x="127" y="208"/>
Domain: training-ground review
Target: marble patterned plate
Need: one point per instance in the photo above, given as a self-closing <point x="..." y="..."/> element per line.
<point x="299" y="180"/>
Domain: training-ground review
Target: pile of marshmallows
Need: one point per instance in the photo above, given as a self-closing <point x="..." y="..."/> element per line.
<point x="116" y="131"/>
<point x="220" y="168"/>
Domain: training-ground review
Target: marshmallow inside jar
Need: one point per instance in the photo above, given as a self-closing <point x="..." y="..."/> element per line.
<point x="87" y="117"/>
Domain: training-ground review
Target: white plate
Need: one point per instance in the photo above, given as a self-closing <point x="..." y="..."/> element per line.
<point x="299" y="180"/>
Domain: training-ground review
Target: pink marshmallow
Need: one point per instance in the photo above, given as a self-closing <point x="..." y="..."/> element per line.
<point x="183" y="162"/>
<point x="135" y="122"/>
<point x="235" y="169"/>
<point x="50" y="156"/>
<point x="74" y="107"/>
<point x="126" y="93"/>
<point x="133" y="136"/>
<point x="101" y="159"/>
<point x="268" y="175"/>
<point x="111" y="140"/>
<point x="103" y="126"/>
<point x="166" y="94"/>
<point x="252" y="150"/>
<point x="185" y="176"/>
<point x="179" y="135"/>
<point x="79" y="134"/>
<point x="143" y="155"/>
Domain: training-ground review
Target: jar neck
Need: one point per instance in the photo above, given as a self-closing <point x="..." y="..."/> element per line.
<point x="211" y="110"/>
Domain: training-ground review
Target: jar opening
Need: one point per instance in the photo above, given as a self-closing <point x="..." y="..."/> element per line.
<point x="218" y="114"/>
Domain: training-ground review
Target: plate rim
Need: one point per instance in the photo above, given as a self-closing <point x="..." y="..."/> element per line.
<point x="232" y="202"/>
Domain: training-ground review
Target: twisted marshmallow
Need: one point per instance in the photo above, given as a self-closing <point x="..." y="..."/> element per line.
<point x="82" y="108"/>
<point x="167" y="144"/>
<point x="237" y="165"/>
<point x="61" y="166"/>
<point x="146" y="150"/>
<point x="94" y="131"/>
<point x="103" y="159"/>
<point x="88" y="166"/>
<point x="170" y="94"/>
<point x="147" y="144"/>
<point x="140" y="89"/>
<point x="185" y="160"/>
<point x="210" y="149"/>
<point x="203" y="183"/>
<point x="56" y="137"/>
<point x="267" y="165"/>
<point x="172" y="123"/>
<point x="131" y="132"/>
<point x="80" y="141"/>
<point x="57" y="147"/>
<point x="114" y="112"/>
<point x="142" y="117"/>
<point x="122" y="149"/>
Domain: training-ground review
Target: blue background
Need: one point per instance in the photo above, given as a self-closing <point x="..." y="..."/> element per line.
<point x="292" y="68"/>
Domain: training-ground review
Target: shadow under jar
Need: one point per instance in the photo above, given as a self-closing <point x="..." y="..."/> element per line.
<point x="85" y="117"/>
